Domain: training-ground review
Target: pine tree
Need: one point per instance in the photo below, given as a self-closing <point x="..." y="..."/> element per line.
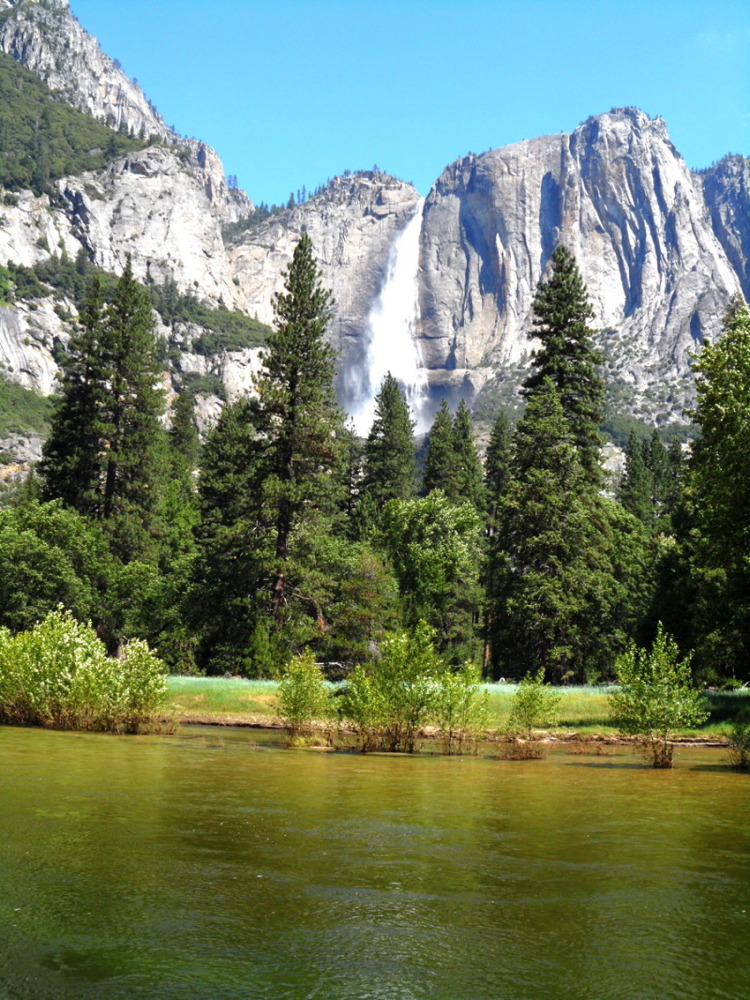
<point x="303" y="417"/>
<point x="567" y="356"/>
<point x="105" y="455"/>
<point x="468" y="477"/>
<point x="390" y="464"/>
<point x="71" y="463"/>
<point x="497" y="468"/>
<point x="439" y="459"/>
<point x="717" y="533"/>
<point x="229" y="592"/>
<point x="637" y="485"/>
<point x="553" y="575"/>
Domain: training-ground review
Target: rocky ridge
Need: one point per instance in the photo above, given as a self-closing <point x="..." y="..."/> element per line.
<point x="662" y="250"/>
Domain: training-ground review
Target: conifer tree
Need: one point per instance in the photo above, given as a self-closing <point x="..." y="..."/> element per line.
<point x="390" y="464"/>
<point x="71" y="462"/>
<point x="553" y="574"/>
<point x="439" y="458"/>
<point x="468" y="477"/>
<point x="637" y="485"/>
<point x="299" y="404"/>
<point x="717" y="532"/>
<point x="568" y="357"/>
<point x="105" y="454"/>
<point x="497" y="468"/>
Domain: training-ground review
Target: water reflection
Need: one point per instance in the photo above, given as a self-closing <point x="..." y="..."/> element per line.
<point x="205" y="866"/>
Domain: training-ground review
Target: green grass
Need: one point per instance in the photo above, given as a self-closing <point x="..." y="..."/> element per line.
<point x="218" y="696"/>
<point x="584" y="710"/>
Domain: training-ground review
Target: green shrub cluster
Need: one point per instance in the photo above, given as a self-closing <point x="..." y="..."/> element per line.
<point x="58" y="674"/>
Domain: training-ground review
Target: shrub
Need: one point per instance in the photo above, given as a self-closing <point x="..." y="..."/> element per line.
<point x="656" y="697"/>
<point x="461" y="709"/>
<point x="58" y="674"/>
<point x="533" y="706"/>
<point x="391" y="701"/>
<point x="303" y="695"/>
<point x="739" y="743"/>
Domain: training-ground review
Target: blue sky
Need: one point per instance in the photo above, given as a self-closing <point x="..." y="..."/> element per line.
<point x="292" y="92"/>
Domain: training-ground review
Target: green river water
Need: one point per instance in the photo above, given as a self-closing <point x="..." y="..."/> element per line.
<point x="204" y="866"/>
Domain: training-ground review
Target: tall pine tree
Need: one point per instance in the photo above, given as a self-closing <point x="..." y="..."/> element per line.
<point x="568" y="357"/>
<point x="390" y="464"/>
<point x="105" y="454"/>
<point x="304" y="422"/>
<point x="468" y="478"/>
<point x="439" y="459"/>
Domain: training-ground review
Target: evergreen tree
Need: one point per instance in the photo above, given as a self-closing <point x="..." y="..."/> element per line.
<point x="553" y="582"/>
<point x="497" y="475"/>
<point x="717" y="532"/>
<point x="390" y="464"/>
<point x="637" y="485"/>
<point x="228" y="596"/>
<point x="468" y="477"/>
<point x="183" y="434"/>
<point x="439" y="458"/>
<point x="497" y="468"/>
<point x="304" y="422"/>
<point x="71" y="464"/>
<point x="567" y="356"/>
<point x="105" y="454"/>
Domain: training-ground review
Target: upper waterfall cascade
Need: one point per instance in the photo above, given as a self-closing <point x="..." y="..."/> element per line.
<point x="391" y="332"/>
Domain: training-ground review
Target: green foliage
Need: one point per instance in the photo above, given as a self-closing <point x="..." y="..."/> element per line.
<point x="389" y="460"/>
<point x="656" y="697"/>
<point x="58" y="674"/>
<point x="439" y="457"/>
<point x="739" y="744"/>
<point x="303" y="695"/>
<point x="49" y="555"/>
<point x="433" y="547"/>
<point x="550" y="567"/>
<point x="461" y="709"/>
<point x="468" y="477"/>
<point x="389" y="702"/>
<point x="568" y="357"/>
<point x="22" y="410"/>
<point x="534" y="705"/>
<point x="105" y="449"/>
<point x="225" y="330"/>
<point x="717" y="526"/>
<point x="42" y="139"/>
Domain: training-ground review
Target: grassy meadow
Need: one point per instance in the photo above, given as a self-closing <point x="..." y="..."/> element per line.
<point x="583" y="710"/>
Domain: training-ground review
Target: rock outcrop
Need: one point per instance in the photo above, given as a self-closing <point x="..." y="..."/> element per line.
<point x="45" y="37"/>
<point x="352" y="224"/>
<point x="618" y="194"/>
<point x="726" y="188"/>
<point x="662" y="250"/>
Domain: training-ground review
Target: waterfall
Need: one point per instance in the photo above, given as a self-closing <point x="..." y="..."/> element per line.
<point x="391" y="330"/>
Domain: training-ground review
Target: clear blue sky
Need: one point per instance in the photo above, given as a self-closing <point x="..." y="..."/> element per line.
<point x="292" y="92"/>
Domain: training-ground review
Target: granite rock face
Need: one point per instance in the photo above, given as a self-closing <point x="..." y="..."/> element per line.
<point x="352" y="225"/>
<point x="618" y="194"/>
<point x="726" y="189"/>
<point x="45" y="37"/>
<point x="662" y="250"/>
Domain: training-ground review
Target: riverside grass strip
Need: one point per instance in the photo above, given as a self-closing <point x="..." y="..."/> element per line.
<point x="584" y="710"/>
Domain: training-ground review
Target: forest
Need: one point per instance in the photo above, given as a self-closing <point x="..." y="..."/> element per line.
<point x="284" y="534"/>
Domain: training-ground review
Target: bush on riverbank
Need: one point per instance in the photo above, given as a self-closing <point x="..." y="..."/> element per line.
<point x="58" y="674"/>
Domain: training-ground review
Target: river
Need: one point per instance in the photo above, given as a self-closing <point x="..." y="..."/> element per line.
<point x="213" y="865"/>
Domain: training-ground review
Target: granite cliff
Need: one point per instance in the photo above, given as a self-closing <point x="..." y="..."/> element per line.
<point x="662" y="249"/>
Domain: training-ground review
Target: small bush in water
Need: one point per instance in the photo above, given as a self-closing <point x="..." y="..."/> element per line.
<point x="656" y="697"/>
<point x="739" y="743"/>
<point x="58" y="674"/>
<point x="303" y="695"/>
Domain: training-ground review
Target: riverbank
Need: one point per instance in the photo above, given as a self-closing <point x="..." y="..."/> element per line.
<point x="583" y="712"/>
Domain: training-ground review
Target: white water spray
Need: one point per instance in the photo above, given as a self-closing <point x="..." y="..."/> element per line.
<point x="392" y="344"/>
